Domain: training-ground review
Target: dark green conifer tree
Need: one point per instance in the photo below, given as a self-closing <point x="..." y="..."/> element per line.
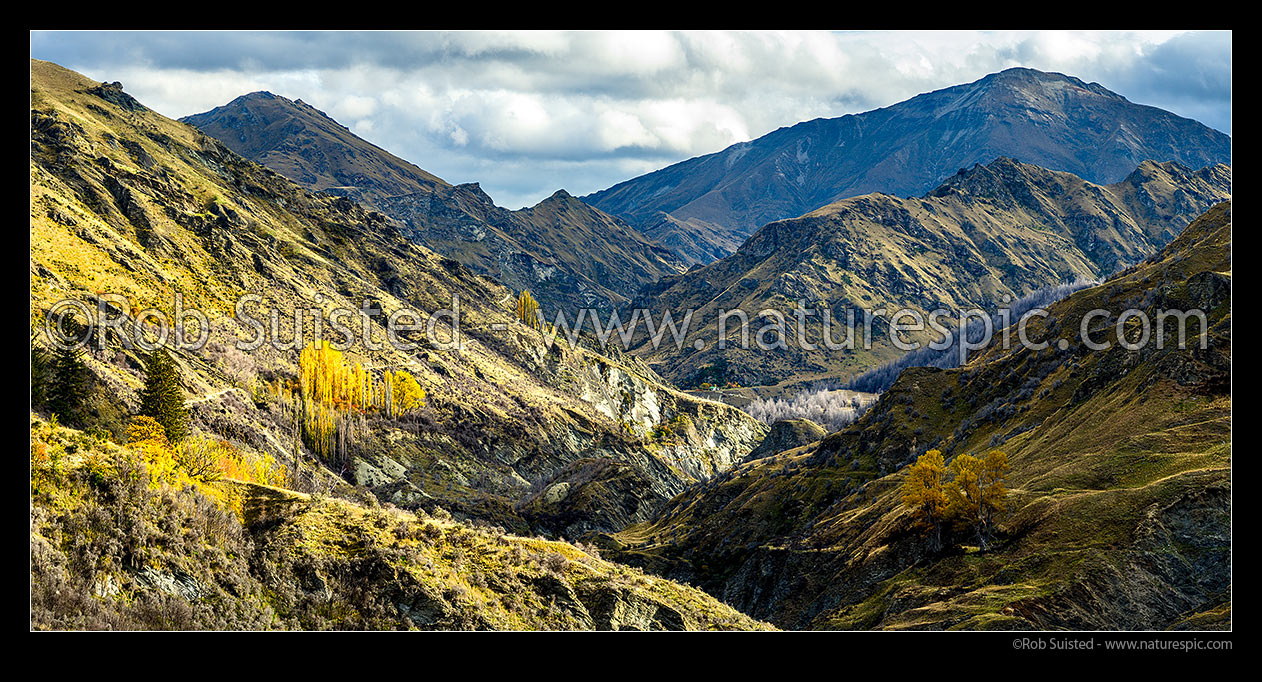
<point x="162" y="398"/>
<point x="68" y="385"/>
<point x="41" y="365"/>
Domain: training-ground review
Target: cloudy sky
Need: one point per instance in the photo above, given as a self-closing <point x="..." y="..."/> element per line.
<point x="526" y="113"/>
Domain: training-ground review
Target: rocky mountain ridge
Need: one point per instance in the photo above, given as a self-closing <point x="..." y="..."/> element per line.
<point x="987" y="235"/>
<point x="129" y="208"/>
<point x="1050" y="120"/>
<point x="566" y="253"/>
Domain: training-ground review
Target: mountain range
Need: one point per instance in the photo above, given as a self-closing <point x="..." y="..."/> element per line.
<point x="988" y="235"/>
<point x="551" y="483"/>
<point x="1119" y="514"/>
<point x="126" y="203"/>
<point x="565" y="252"/>
<point x="1051" y="120"/>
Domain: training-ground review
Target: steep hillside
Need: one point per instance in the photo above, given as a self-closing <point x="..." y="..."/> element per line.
<point x="303" y="144"/>
<point x="1046" y="119"/>
<point x="694" y="241"/>
<point x="788" y="434"/>
<point x="989" y="232"/>
<point x="565" y="252"/>
<point x="129" y="208"/>
<point x="114" y="549"/>
<point x="1119" y="515"/>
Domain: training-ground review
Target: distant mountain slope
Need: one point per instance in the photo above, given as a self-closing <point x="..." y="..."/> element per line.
<point x="303" y="144"/>
<point x="1119" y="515"/>
<point x="1046" y="119"/>
<point x="127" y="203"/>
<point x="565" y="252"/>
<point x="693" y="241"/>
<point x="1005" y="229"/>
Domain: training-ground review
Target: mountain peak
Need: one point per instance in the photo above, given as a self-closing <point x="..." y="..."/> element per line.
<point x="987" y="178"/>
<point x="257" y="95"/>
<point x="319" y="152"/>
<point x="280" y="106"/>
<point x="1027" y="74"/>
<point x="1049" y="119"/>
<point x="562" y="200"/>
<point x="1025" y="79"/>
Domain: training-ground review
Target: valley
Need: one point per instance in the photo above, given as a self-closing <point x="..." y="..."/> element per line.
<point x="1120" y="476"/>
<point x="460" y="459"/>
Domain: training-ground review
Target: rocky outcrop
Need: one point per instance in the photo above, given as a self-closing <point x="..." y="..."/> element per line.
<point x="111" y="551"/>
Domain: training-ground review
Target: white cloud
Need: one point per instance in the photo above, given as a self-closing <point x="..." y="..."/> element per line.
<point x="527" y="112"/>
<point x="353" y="106"/>
<point x="620" y="129"/>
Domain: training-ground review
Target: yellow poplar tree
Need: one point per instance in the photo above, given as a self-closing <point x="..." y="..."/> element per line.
<point x="325" y="382"/>
<point x="330" y="389"/>
<point x="924" y="490"/>
<point x="358" y="387"/>
<point x="385" y="396"/>
<point x="977" y="494"/>
<point x="408" y="394"/>
<point x="528" y="310"/>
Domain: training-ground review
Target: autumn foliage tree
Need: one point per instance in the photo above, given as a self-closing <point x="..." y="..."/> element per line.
<point x="199" y="460"/>
<point x="528" y="310"/>
<point x="327" y="388"/>
<point x="970" y="493"/>
<point x="147" y="430"/>
<point x="407" y="393"/>
<point x="332" y="390"/>
<point x="924" y="491"/>
<point x="977" y="493"/>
